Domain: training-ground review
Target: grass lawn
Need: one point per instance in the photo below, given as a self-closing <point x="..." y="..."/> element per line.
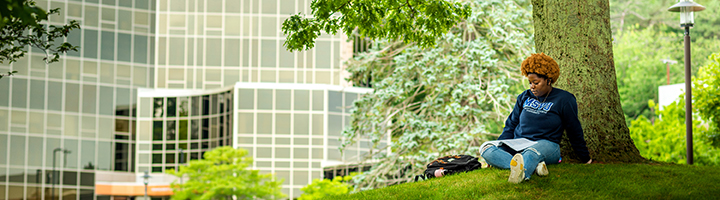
<point x="566" y="181"/>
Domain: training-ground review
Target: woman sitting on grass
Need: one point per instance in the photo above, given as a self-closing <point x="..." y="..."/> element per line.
<point x="541" y="113"/>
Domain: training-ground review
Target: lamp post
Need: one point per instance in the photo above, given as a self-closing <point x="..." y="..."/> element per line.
<point x="686" y="9"/>
<point x="146" y="180"/>
<point x="54" y="173"/>
<point x="182" y="159"/>
<point x="38" y="176"/>
<point x="667" y="66"/>
<point x="182" y="156"/>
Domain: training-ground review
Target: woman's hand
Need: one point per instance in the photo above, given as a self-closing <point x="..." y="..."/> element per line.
<point x="589" y="161"/>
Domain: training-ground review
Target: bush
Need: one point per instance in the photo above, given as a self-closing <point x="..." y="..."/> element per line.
<point x="662" y="138"/>
<point x="319" y="189"/>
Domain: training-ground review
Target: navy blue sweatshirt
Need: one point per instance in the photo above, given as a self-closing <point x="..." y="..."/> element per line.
<point x="540" y="118"/>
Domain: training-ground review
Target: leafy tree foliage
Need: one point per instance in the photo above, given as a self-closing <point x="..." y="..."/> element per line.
<point x="222" y="174"/>
<point x="320" y="189"/>
<point x="429" y="19"/>
<point x="440" y="100"/>
<point x="653" y="13"/>
<point x="706" y="21"/>
<point x="706" y="97"/>
<point x="20" y="10"/>
<point x="629" y="13"/>
<point x="639" y="55"/>
<point x="21" y="26"/>
<point x="662" y="138"/>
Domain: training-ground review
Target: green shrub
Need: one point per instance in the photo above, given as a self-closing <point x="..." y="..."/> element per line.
<point x="320" y="188"/>
<point x="663" y="137"/>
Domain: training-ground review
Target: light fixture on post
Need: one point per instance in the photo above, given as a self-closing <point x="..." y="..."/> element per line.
<point x="54" y="173"/>
<point x="686" y="9"/>
<point x="182" y="159"/>
<point x="146" y="180"/>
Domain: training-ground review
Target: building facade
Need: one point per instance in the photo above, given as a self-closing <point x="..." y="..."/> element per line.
<point x="157" y="83"/>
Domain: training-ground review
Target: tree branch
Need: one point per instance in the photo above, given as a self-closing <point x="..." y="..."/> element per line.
<point x="341" y="6"/>
<point x="413" y="11"/>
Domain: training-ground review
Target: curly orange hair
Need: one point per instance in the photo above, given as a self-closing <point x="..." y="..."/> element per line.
<point x="539" y="63"/>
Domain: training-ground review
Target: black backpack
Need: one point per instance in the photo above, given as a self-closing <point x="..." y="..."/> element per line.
<point x="449" y="165"/>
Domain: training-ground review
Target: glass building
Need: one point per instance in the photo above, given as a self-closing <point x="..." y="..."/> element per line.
<point x="157" y="83"/>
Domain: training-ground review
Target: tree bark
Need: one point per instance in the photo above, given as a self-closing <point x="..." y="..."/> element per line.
<point x="577" y="35"/>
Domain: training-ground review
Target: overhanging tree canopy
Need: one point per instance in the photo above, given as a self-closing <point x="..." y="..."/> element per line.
<point x="421" y="21"/>
<point x="21" y="27"/>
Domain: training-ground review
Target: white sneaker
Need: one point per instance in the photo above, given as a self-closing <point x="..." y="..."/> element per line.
<point x="541" y="169"/>
<point x="517" y="169"/>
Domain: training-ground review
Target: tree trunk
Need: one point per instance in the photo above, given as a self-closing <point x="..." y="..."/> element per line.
<point x="577" y="35"/>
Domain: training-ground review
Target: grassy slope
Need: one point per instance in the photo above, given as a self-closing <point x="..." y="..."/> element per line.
<point x="566" y="181"/>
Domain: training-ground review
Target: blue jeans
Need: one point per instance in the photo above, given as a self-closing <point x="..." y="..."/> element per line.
<point x="543" y="150"/>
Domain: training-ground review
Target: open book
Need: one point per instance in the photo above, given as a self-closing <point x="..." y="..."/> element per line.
<point x="518" y="144"/>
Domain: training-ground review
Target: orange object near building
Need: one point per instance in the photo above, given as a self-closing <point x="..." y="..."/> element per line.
<point x="133" y="190"/>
